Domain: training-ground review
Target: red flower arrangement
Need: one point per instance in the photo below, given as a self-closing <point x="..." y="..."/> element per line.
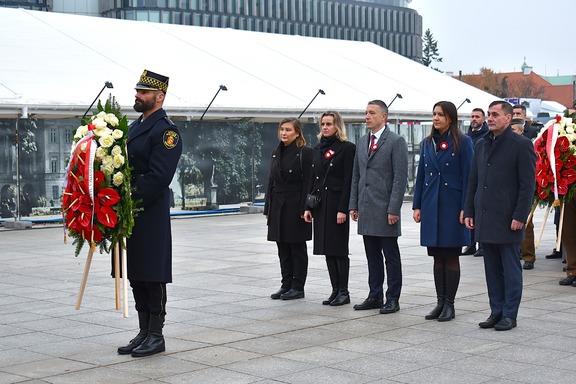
<point x="96" y="205"/>
<point x="555" y="162"/>
<point x="329" y="153"/>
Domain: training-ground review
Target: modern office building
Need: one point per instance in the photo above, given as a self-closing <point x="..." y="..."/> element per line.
<point x="387" y="23"/>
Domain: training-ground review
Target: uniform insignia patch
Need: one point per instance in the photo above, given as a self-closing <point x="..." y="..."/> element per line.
<point x="170" y="139"/>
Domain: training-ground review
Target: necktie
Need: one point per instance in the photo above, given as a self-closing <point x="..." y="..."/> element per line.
<point x="372" y="141"/>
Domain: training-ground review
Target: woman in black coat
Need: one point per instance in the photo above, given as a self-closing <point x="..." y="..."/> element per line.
<point x="284" y="208"/>
<point x="332" y="166"/>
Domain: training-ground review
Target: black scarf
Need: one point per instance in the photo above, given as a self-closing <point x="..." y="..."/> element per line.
<point x="439" y="138"/>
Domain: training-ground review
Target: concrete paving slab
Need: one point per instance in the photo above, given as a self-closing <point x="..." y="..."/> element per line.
<point x="222" y="326"/>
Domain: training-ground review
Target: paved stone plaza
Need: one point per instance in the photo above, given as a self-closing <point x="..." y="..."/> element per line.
<point x="222" y="326"/>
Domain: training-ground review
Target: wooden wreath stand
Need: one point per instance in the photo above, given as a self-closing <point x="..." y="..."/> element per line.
<point x="119" y="274"/>
<point x="560" y="223"/>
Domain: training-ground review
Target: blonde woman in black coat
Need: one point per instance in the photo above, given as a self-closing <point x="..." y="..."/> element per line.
<point x="290" y="170"/>
<point x="332" y="166"/>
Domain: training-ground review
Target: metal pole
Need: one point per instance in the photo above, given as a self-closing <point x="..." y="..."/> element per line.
<point x="17" y="218"/>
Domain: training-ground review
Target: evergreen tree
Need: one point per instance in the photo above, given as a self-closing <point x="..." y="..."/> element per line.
<point x="430" y="50"/>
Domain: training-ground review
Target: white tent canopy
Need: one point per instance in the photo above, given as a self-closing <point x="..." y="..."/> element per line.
<point x="55" y="64"/>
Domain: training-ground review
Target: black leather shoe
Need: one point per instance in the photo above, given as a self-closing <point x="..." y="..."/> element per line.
<point x="528" y="265"/>
<point x="479" y="253"/>
<point x="391" y="306"/>
<point x="342" y="298"/>
<point x="470" y="250"/>
<point x="574" y="283"/>
<point x="505" y="324"/>
<point x="276" y="295"/>
<point x="369" y="303"/>
<point x="490" y="322"/>
<point x="568" y="280"/>
<point x="292" y="294"/>
<point x="330" y="298"/>
<point x="554" y="255"/>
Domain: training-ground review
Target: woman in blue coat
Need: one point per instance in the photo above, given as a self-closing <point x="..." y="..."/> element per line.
<point x="439" y="195"/>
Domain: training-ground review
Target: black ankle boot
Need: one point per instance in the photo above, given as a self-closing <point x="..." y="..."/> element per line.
<point x="154" y="343"/>
<point x="448" y="312"/>
<point x="330" y="298"/>
<point x="433" y="315"/>
<point x="144" y="321"/>
<point x="333" y="273"/>
<point x="342" y="298"/>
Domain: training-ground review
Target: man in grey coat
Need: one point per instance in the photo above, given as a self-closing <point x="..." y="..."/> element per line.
<point x="500" y="191"/>
<point x="379" y="182"/>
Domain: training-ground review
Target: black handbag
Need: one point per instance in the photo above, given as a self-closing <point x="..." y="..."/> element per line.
<point x="312" y="201"/>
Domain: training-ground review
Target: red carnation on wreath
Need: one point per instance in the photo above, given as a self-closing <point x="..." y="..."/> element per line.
<point x="556" y="162"/>
<point x="97" y="206"/>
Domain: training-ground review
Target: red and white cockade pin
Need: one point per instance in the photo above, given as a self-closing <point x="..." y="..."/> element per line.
<point x="443" y="145"/>
<point x="374" y="146"/>
<point x="329" y="153"/>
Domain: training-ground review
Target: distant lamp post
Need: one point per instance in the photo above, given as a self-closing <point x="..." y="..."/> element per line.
<point x="317" y="93"/>
<point x="107" y="84"/>
<point x="398" y="96"/>
<point x="466" y="100"/>
<point x="221" y="88"/>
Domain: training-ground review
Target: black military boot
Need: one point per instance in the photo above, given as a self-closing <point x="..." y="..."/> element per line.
<point x="144" y="321"/>
<point x="154" y="343"/>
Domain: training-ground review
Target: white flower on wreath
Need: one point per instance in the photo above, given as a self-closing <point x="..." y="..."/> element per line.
<point x="81" y="131"/>
<point x="100" y="123"/>
<point x="101" y="153"/>
<point x="116" y="150"/>
<point x="107" y="160"/>
<point x="117" y="134"/>
<point x="118" y="179"/>
<point x="101" y="132"/>
<point x="106" y="141"/>
<point x="118" y="161"/>
<point x="111" y="119"/>
<point x="107" y="169"/>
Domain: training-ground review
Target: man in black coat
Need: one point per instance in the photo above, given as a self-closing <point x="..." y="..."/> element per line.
<point x="530" y="131"/>
<point x="500" y="191"/>
<point x="154" y="148"/>
<point x="478" y="128"/>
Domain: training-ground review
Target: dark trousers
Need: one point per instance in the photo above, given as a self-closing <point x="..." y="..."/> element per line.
<point x="293" y="264"/>
<point x="149" y="297"/>
<point x="380" y="251"/>
<point x="568" y="238"/>
<point x="503" y="278"/>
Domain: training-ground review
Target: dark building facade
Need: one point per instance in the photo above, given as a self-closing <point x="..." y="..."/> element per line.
<point x="389" y="24"/>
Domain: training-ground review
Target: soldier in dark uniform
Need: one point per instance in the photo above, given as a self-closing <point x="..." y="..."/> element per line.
<point x="154" y="148"/>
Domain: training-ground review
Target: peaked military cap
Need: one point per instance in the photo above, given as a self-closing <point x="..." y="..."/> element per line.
<point x="152" y="81"/>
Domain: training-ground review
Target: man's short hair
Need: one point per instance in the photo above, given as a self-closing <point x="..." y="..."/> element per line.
<point x="506" y="106"/>
<point x="479" y="110"/>
<point x="381" y="104"/>
<point x="522" y="107"/>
